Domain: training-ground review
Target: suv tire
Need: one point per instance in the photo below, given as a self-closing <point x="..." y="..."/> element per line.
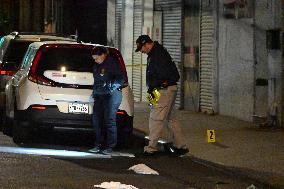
<point x="125" y="132"/>
<point x="7" y="126"/>
<point x="2" y="119"/>
<point x="21" y="130"/>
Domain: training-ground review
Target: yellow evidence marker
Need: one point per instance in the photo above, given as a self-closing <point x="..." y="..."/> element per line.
<point x="211" y="136"/>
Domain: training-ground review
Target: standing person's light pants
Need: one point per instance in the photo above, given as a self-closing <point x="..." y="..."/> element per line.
<point x="163" y="115"/>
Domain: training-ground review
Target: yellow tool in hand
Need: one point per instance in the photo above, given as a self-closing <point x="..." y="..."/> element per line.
<point x="153" y="97"/>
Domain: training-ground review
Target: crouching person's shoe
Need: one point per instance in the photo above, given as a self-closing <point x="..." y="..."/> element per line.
<point x="107" y="151"/>
<point x="96" y="149"/>
<point x="178" y="151"/>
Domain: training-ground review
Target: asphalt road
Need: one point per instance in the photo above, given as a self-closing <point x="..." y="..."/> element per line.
<point x="60" y="160"/>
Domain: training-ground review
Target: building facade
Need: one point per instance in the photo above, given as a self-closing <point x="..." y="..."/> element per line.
<point x="87" y="19"/>
<point x="9" y="11"/>
<point x="226" y="52"/>
<point x="162" y="20"/>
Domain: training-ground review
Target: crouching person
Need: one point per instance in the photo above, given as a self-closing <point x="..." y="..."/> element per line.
<point x="108" y="79"/>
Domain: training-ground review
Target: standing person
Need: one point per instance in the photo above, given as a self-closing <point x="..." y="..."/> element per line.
<point x="161" y="74"/>
<point x="108" y="79"/>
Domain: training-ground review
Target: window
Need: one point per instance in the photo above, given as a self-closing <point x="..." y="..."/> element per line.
<point x="28" y="57"/>
<point x="1" y="42"/>
<point x="16" y="51"/>
<point x="238" y="9"/>
<point x="2" y="46"/>
<point x="73" y="59"/>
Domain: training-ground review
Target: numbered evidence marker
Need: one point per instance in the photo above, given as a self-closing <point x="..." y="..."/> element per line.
<point x="211" y="136"/>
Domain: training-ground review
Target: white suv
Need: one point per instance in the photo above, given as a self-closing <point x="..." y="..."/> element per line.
<point x="12" y="50"/>
<point x="53" y="89"/>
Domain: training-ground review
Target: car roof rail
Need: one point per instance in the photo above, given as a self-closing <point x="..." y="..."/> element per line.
<point x="17" y="33"/>
<point x="14" y="33"/>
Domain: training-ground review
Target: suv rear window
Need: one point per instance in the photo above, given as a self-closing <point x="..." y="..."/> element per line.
<point x="16" y="51"/>
<point x="73" y="59"/>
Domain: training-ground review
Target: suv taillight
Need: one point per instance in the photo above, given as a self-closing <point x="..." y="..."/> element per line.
<point x="6" y="72"/>
<point x="34" y="77"/>
<point x="40" y="80"/>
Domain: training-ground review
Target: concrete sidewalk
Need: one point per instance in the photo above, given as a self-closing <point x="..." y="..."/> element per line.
<point x="240" y="145"/>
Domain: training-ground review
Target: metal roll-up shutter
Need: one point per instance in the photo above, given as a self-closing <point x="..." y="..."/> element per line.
<point x="137" y="57"/>
<point x="118" y="10"/>
<point x="171" y="33"/>
<point x="206" y="56"/>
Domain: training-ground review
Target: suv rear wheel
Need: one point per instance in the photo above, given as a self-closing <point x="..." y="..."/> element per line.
<point x="21" y="129"/>
<point x="124" y="131"/>
<point x="7" y="126"/>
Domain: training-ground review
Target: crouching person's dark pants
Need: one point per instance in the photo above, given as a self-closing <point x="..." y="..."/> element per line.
<point x="104" y="118"/>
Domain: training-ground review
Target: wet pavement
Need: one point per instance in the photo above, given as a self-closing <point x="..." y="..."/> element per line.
<point x="50" y="170"/>
<point x="242" y="156"/>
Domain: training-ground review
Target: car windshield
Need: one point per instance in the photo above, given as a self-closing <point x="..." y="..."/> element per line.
<point x="67" y="59"/>
<point x="16" y="51"/>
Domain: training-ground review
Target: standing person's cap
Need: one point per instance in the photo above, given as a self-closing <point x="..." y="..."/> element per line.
<point x="141" y="40"/>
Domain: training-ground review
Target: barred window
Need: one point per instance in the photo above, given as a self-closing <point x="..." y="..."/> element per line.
<point x="238" y="9"/>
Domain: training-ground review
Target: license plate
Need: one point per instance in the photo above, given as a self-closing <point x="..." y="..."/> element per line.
<point x="78" y="108"/>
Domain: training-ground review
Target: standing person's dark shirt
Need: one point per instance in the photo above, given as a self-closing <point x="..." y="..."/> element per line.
<point x="107" y="77"/>
<point x="160" y="67"/>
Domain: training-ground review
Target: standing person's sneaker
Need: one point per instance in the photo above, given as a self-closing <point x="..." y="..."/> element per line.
<point x="178" y="151"/>
<point x="96" y="149"/>
<point x="107" y="151"/>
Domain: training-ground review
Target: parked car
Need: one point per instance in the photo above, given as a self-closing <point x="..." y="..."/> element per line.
<point x="12" y="51"/>
<point x="52" y="89"/>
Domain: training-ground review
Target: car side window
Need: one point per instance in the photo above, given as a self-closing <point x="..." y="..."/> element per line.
<point x="1" y="42"/>
<point x="2" y="48"/>
<point x="28" y="57"/>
